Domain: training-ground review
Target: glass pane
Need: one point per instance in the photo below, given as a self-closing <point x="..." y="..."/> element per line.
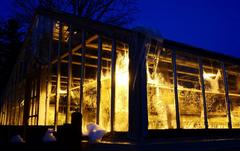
<point x="105" y="101"/>
<point x="233" y="75"/>
<point x="215" y="94"/>
<point x="76" y="71"/>
<point x="89" y="108"/>
<point x="63" y="95"/>
<point x="160" y="94"/>
<point x="189" y="92"/>
<point x="121" y="88"/>
<point x="51" y="88"/>
<point x="62" y="111"/>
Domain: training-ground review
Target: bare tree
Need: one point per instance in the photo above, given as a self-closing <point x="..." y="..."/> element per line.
<point x="10" y="41"/>
<point x="116" y="12"/>
<point x="25" y="9"/>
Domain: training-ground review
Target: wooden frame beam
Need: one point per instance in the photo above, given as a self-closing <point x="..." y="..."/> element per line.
<point x="175" y="89"/>
<point x="203" y="94"/>
<point x="83" y="51"/>
<point x="113" y="65"/>
<point x="92" y="56"/>
<point x="74" y="49"/>
<point x="86" y="64"/>
<point x="99" y="76"/>
<point x="228" y="103"/>
<point x="69" y="83"/>
<point x="58" y="77"/>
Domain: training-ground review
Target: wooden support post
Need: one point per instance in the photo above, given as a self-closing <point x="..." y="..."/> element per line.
<point x="69" y="86"/>
<point x="225" y="80"/>
<point x="12" y="100"/>
<point x="6" y="111"/>
<point x="26" y="105"/>
<point x="99" y="76"/>
<point x="33" y="89"/>
<point x="138" y="120"/>
<point x="82" y="69"/>
<point x="9" y="108"/>
<point x="19" y="114"/>
<point x="76" y="48"/>
<point x="113" y="65"/>
<point x="38" y="98"/>
<point x="49" y="75"/>
<point x="1" y="109"/>
<point x="58" y="77"/>
<point x="203" y="93"/>
<point x="7" y="104"/>
<point x="15" y="95"/>
<point x="175" y="88"/>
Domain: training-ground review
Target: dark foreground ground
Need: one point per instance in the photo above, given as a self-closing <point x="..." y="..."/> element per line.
<point x="169" y="140"/>
<point x="178" y="145"/>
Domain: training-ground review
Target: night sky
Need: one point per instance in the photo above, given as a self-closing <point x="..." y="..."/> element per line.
<point x="208" y="24"/>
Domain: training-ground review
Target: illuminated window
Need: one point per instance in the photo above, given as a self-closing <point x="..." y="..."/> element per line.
<point x="215" y="94"/>
<point x="65" y="32"/>
<point x="160" y="94"/>
<point x="121" y="88"/>
<point x="233" y="78"/>
<point x="189" y="92"/>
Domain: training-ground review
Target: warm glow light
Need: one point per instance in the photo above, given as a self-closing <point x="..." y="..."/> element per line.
<point x="122" y="77"/>
<point x="160" y="101"/>
<point x="208" y="75"/>
<point x="63" y="92"/>
<point x="65" y="32"/>
<point x="121" y="99"/>
<point x="105" y="102"/>
<point x="22" y="103"/>
<point x="121" y="93"/>
<point x="161" y="106"/>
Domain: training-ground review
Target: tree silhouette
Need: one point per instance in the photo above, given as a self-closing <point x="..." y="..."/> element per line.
<point x="10" y="43"/>
<point x="115" y="12"/>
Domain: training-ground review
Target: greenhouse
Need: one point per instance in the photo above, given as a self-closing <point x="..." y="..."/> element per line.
<point x="123" y="80"/>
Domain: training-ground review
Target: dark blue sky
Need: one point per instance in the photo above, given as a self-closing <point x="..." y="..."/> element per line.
<point x="209" y="24"/>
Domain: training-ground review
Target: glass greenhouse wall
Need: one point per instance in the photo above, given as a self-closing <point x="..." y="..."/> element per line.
<point x="191" y="91"/>
<point x="76" y="76"/>
<point x="68" y="66"/>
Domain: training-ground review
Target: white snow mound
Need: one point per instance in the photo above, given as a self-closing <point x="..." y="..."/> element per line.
<point x="48" y="136"/>
<point x="95" y="132"/>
